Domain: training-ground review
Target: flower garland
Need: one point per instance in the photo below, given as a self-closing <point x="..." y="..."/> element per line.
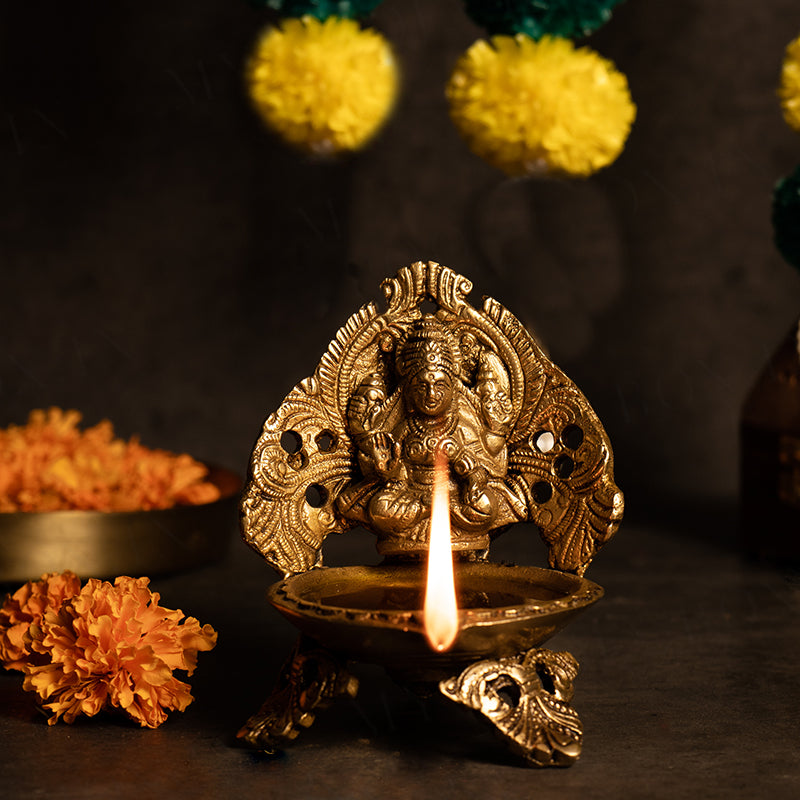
<point x="100" y="646"/>
<point x="529" y="102"/>
<point x="319" y="80"/>
<point x="786" y="196"/>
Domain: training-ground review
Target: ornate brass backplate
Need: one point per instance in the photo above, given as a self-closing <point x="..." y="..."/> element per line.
<point x="354" y="444"/>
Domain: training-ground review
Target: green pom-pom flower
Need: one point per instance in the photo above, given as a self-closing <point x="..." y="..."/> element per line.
<point x="786" y="217"/>
<point x="320" y="9"/>
<point x="536" y="18"/>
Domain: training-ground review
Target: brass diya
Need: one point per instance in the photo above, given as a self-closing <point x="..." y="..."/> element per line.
<point x="374" y="614"/>
<point x="398" y="392"/>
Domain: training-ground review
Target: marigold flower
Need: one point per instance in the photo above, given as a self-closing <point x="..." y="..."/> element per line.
<point x="49" y="464"/>
<point x="27" y="606"/>
<point x="114" y="646"/>
<point x="324" y="87"/>
<point x="789" y="91"/>
<point x="537" y="108"/>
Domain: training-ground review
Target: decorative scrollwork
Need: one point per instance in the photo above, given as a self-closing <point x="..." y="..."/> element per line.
<point x="397" y="386"/>
<point x="312" y="678"/>
<point x="527" y="700"/>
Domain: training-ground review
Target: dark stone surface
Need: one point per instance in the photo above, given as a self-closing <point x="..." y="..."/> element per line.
<point x="688" y="687"/>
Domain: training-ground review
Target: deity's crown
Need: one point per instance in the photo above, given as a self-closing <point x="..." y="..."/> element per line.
<point x="427" y="345"/>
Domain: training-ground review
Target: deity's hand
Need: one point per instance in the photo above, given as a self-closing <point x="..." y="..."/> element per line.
<point x="475" y="486"/>
<point x="386" y="455"/>
<point x="362" y="414"/>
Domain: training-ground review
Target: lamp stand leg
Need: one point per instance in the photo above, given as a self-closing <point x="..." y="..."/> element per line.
<point x="310" y="679"/>
<point x="526" y="698"/>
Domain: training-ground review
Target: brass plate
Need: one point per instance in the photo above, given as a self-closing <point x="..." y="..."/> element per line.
<point x="105" y="544"/>
<point x="373" y="614"/>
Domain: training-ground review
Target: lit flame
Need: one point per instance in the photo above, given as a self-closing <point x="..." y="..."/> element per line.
<point x="441" y="612"/>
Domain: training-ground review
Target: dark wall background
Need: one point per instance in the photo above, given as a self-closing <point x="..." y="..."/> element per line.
<point x="166" y="264"/>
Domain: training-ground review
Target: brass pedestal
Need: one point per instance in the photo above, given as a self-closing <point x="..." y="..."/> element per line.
<point x="495" y="667"/>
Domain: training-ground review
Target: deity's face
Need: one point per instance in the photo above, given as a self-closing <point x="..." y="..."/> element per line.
<point x="429" y="392"/>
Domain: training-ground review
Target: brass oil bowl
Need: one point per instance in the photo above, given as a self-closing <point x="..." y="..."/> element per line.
<point x="373" y="614"/>
<point x="108" y="543"/>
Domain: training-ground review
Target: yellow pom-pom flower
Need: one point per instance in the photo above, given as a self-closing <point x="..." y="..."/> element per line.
<point x="324" y="87"/>
<point x="540" y="108"/>
<point x="789" y="90"/>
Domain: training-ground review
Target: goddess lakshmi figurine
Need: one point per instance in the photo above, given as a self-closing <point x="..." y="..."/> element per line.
<point x="396" y="443"/>
<point x="355" y="443"/>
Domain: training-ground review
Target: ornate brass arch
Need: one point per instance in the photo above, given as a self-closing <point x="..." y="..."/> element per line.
<point x="353" y="444"/>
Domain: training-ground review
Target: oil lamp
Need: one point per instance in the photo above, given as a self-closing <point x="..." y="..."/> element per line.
<point x="436" y="432"/>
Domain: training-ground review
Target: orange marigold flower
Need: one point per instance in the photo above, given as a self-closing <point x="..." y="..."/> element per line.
<point x="49" y="464"/>
<point x="114" y="646"/>
<point x="27" y="606"/>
